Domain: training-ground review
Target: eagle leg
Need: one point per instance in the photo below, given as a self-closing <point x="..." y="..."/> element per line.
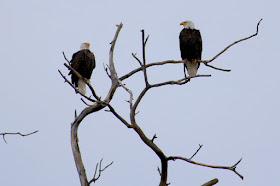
<point x="185" y="71"/>
<point x="185" y="66"/>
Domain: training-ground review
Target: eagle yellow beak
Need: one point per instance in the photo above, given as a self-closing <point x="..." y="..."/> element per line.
<point x="182" y="23"/>
<point x="88" y="44"/>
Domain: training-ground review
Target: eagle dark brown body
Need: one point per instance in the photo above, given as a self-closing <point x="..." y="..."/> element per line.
<point x="190" y="44"/>
<point x="191" y="48"/>
<point x="83" y="62"/>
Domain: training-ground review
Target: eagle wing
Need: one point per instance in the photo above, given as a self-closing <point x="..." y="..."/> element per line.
<point x="190" y="44"/>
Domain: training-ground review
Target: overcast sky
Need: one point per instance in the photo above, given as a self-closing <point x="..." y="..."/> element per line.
<point x="234" y="115"/>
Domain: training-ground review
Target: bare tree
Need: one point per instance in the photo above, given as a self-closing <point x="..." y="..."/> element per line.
<point x="96" y="104"/>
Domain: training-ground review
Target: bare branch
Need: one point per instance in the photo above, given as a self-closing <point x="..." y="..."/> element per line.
<point x="66" y="58"/>
<point x="159" y="171"/>
<point x="118" y="116"/>
<point x="113" y="73"/>
<point x="84" y="79"/>
<point x="85" y="102"/>
<point x="225" y="70"/>
<point x="106" y="70"/>
<point x="129" y="91"/>
<point x="77" y="90"/>
<point x="178" y="82"/>
<point x="146" y="140"/>
<point x="144" y="57"/>
<point x="134" y="55"/>
<point x="16" y="133"/>
<point x="211" y="182"/>
<point x="133" y="109"/>
<point x="94" y="179"/>
<point x="208" y="61"/>
<point x="146" y="40"/>
<point x="154" y="137"/>
<point x="150" y="65"/>
<point x="96" y="167"/>
<point x="232" y="168"/>
<point x="196" y="151"/>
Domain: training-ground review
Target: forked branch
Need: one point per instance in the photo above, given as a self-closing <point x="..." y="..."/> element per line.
<point x="144" y="42"/>
<point x="16" y="133"/>
<point x="100" y="170"/>
<point x="66" y="58"/>
<point x="232" y="168"/>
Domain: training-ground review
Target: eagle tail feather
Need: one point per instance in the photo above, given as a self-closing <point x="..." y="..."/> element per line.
<point x="82" y="86"/>
<point x="192" y="69"/>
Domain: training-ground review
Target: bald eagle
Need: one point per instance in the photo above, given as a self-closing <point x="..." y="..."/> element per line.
<point x="83" y="62"/>
<point x="190" y="46"/>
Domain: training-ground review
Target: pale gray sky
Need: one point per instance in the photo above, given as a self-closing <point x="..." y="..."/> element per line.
<point x="232" y="114"/>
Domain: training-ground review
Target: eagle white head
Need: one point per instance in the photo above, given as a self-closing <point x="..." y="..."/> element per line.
<point x="188" y="24"/>
<point x="85" y="45"/>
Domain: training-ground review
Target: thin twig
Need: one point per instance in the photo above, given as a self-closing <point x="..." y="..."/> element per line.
<point x="232" y="168"/>
<point x="96" y="167"/>
<point x="150" y="65"/>
<point x="16" y="133"/>
<point x="200" y="146"/>
<point x="144" y="56"/>
<point x="85" y="102"/>
<point x="216" y="68"/>
<point x="134" y="55"/>
<point x="159" y="171"/>
<point x="208" y="61"/>
<point x="154" y="137"/>
<point x="106" y="70"/>
<point x="146" y="40"/>
<point x="178" y="82"/>
<point x="94" y="179"/>
<point x="66" y="58"/>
